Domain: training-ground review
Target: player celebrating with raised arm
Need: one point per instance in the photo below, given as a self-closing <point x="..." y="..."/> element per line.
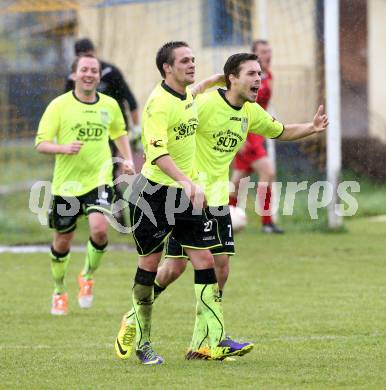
<point x="225" y="118"/>
<point x="165" y="200"/>
<point x="253" y="157"/>
<point x="76" y="127"/>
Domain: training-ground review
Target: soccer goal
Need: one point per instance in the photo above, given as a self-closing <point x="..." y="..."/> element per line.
<point x="37" y="51"/>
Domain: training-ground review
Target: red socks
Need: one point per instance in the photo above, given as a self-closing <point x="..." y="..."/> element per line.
<point x="265" y="193"/>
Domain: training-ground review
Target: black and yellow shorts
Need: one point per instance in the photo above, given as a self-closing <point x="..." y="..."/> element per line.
<point x="156" y="211"/>
<point x="227" y="247"/>
<point x="65" y="211"/>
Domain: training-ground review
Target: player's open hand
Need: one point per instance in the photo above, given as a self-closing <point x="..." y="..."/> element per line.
<point x="72" y="148"/>
<point x="320" y="121"/>
<point x="128" y="167"/>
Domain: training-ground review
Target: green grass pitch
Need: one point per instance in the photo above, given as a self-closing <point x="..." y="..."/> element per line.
<point x="313" y="303"/>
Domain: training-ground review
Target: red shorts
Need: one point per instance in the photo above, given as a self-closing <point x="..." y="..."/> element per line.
<point x="253" y="150"/>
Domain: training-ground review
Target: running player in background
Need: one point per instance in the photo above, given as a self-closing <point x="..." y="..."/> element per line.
<point x="225" y="118"/>
<point x="253" y="156"/>
<point x="76" y="127"/>
<point x="113" y="84"/>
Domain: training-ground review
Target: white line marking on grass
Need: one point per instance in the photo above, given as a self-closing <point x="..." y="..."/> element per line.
<point x="43" y="346"/>
<point x="108" y="346"/>
<point x="377" y="218"/>
<point x="64" y="346"/>
<point x="46" y="248"/>
<point x="16" y="187"/>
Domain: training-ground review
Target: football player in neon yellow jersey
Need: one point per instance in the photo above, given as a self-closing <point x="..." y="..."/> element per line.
<point x="166" y="200"/>
<point x="225" y="118"/>
<point x="76" y="127"/>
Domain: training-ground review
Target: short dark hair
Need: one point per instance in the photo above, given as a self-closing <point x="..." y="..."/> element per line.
<point x="83" y="45"/>
<point x="165" y="54"/>
<point x="233" y="64"/>
<point x="74" y="65"/>
<point x="258" y="42"/>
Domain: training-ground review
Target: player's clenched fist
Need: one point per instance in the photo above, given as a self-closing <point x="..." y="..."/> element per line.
<point x="72" y="148"/>
<point x="128" y="167"/>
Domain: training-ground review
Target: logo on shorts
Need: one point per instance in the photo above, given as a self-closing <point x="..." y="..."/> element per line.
<point x="103" y="198"/>
<point x="157" y="143"/>
<point x="207" y="238"/>
<point x="159" y="234"/>
<point x="244" y="124"/>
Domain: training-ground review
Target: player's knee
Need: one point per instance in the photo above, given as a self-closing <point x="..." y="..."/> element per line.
<point x="267" y="177"/>
<point x="175" y="273"/>
<point x="271" y="176"/>
<point x="206" y="260"/>
<point x="175" y="268"/>
<point x="99" y="235"/>
<point x="61" y="244"/>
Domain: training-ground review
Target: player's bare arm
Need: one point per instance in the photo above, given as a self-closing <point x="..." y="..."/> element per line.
<point x="52" y="148"/>
<point x="193" y="191"/>
<point x="123" y="146"/>
<point x="134" y="117"/>
<point x="216" y="80"/>
<point x="296" y="131"/>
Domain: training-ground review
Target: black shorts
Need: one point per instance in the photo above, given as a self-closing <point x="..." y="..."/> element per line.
<point x="156" y="211"/>
<point x="65" y="211"/>
<point x="174" y="249"/>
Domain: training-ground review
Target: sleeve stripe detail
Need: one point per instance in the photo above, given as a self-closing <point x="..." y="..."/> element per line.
<point x="165" y="154"/>
<point x="279" y="134"/>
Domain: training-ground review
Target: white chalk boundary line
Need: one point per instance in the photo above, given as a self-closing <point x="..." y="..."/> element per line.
<point x="377" y="218"/>
<point x="260" y="340"/>
<point x="46" y="248"/>
<point x="16" y="187"/>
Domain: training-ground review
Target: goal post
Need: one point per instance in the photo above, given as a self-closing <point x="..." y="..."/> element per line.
<point x="333" y="108"/>
<point x="262" y="16"/>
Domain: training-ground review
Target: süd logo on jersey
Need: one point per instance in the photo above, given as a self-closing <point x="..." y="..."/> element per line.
<point x="90" y="131"/>
<point x="185" y="130"/>
<point x="228" y="142"/>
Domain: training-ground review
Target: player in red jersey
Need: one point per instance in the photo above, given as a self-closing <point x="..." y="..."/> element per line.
<point x="253" y="156"/>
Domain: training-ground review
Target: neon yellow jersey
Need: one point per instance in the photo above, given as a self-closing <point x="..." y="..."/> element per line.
<point x="169" y="123"/>
<point x="222" y="131"/>
<point x="65" y="120"/>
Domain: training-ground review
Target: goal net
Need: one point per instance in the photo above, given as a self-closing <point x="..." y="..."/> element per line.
<point x="36" y="44"/>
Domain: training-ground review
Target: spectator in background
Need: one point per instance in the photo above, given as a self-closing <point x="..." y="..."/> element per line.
<point x="253" y="156"/>
<point x="113" y="84"/>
